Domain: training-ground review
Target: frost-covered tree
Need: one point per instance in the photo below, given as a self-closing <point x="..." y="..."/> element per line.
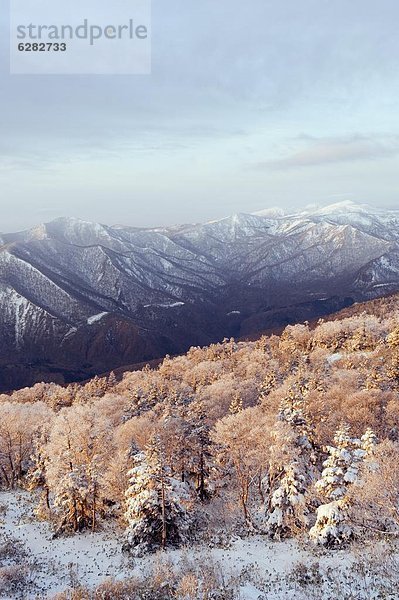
<point x="20" y="427"/>
<point x="291" y="467"/>
<point x="78" y="451"/>
<point x="112" y="381"/>
<point x="393" y="338"/>
<point x="342" y="466"/>
<point x="331" y="528"/>
<point x="362" y="338"/>
<point x="76" y="499"/>
<point x="242" y="441"/>
<point x="392" y="368"/>
<point x="37" y="474"/>
<point x="374" y="503"/>
<point x="369" y="441"/>
<point x="341" y="471"/>
<point x="293" y="411"/>
<point x="158" y="506"/>
<point x="288" y="505"/>
<point x="96" y="387"/>
<point x="200" y="442"/>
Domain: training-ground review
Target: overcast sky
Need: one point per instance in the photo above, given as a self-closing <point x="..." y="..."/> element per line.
<point x="250" y="104"/>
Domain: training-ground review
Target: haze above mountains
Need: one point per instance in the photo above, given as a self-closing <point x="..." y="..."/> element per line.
<point x="80" y="298"/>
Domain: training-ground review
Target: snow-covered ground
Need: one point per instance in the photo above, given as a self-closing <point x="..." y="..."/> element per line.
<point x="89" y="559"/>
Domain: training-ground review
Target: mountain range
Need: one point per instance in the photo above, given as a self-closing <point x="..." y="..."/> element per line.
<point x="80" y="298"/>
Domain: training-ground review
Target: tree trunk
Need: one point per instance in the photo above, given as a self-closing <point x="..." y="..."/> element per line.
<point x="163" y="507"/>
<point x="75" y="515"/>
<point x="6" y="479"/>
<point x="201" y="487"/>
<point x="93" y="512"/>
<point x="260" y="489"/>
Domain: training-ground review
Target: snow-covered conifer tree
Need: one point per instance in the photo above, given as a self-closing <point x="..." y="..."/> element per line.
<point x="158" y="505"/>
<point x="331" y="528"/>
<point x="342" y="466"/>
<point x="294" y="471"/>
<point x="369" y="441"/>
<point x="293" y="412"/>
<point x="288" y="509"/>
<point x="341" y="470"/>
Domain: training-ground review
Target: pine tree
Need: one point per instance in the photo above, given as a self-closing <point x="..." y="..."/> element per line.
<point x="201" y="457"/>
<point x="293" y="411"/>
<point x="341" y="470"/>
<point x="112" y="381"/>
<point x="287" y="509"/>
<point x="369" y="441"/>
<point x="331" y="528"/>
<point x="342" y="466"/>
<point x="74" y="500"/>
<point x="158" y="505"/>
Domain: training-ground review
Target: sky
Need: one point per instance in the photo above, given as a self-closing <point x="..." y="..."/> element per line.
<point x="249" y="105"/>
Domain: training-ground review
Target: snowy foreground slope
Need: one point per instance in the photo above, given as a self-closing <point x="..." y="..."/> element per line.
<point x="257" y="568"/>
<point x="79" y="298"/>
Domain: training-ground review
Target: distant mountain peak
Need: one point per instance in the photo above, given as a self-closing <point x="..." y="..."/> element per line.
<point x="341" y="207"/>
<point x="164" y="289"/>
<point x="273" y="212"/>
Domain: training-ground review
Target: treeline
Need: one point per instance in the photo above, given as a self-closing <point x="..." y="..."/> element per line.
<point x="288" y="435"/>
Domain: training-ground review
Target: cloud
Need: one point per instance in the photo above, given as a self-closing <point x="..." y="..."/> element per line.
<point x="229" y="86"/>
<point x="326" y="151"/>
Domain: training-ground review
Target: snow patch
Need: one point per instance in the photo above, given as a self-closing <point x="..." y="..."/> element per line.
<point x="70" y="331"/>
<point x="249" y="592"/>
<point x="94" y="318"/>
<point x="172" y="305"/>
<point x="334" y="357"/>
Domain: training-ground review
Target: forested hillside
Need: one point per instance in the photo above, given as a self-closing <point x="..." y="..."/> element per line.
<point x="291" y="436"/>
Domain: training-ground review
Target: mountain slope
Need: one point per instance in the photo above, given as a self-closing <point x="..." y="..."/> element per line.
<point x="78" y="298"/>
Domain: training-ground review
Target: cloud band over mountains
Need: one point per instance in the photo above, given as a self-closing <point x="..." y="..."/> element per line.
<point x="326" y="151"/>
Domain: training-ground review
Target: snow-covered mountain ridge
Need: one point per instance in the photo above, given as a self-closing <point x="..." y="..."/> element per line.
<point x="161" y="290"/>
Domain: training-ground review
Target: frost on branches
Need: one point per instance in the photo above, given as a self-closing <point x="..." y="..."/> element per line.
<point x="158" y="505"/>
<point x="75" y="460"/>
<point x="341" y="470"/>
<point x="291" y="471"/>
<point x="331" y="528"/>
<point x="75" y="499"/>
<point x="288" y="510"/>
